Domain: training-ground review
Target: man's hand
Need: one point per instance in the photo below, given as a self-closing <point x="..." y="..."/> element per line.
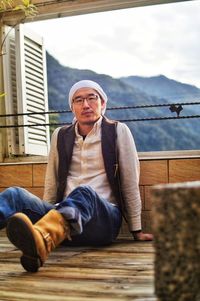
<point x="140" y="236"/>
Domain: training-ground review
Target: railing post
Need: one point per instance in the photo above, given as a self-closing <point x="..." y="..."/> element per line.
<point x="176" y="227"/>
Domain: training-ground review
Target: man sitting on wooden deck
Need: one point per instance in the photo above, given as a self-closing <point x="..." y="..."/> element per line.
<point x="91" y="182"/>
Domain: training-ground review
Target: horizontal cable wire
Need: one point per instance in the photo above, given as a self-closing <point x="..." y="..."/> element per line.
<point x="121" y="120"/>
<point x="111" y="108"/>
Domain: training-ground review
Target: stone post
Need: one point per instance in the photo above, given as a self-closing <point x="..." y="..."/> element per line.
<point x="176" y="227"/>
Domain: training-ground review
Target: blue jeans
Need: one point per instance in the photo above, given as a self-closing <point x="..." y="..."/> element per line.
<point x="93" y="220"/>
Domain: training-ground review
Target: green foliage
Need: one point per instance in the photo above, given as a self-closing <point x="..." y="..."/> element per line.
<point x="53" y="120"/>
<point x="5" y="4"/>
<point x="26" y="6"/>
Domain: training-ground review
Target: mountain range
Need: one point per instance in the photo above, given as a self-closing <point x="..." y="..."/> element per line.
<point x="153" y="96"/>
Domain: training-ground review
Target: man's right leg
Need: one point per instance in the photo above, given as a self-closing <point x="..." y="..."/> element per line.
<point x="16" y="199"/>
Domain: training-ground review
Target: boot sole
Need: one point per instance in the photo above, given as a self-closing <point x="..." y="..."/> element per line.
<point x="21" y="236"/>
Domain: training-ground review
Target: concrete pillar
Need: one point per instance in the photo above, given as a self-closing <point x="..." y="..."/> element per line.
<point x="176" y="227"/>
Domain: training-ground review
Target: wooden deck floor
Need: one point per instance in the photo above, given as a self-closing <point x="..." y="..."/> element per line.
<point x="123" y="271"/>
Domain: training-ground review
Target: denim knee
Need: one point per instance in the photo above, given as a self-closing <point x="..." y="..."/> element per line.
<point x="11" y="191"/>
<point x="17" y="199"/>
<point x="85" y="193"/>
<point x="84" y="189"/>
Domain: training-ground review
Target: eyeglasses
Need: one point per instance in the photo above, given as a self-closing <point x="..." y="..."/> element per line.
<point x="90" y="98"/>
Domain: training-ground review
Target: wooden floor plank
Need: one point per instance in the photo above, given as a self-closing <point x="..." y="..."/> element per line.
<point x="122" y="271"/>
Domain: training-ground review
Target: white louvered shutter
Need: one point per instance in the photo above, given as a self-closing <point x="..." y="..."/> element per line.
<point x="10" y="89"/>
<point x="30" y="93"/>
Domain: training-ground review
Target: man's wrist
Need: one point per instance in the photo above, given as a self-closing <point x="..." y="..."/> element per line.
<point x="135" y="233"/>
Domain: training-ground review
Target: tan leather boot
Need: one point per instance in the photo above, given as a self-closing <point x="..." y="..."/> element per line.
<point x="38" y="240"/>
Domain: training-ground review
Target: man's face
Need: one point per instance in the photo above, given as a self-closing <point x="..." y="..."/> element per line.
<point x="87" y="105"/>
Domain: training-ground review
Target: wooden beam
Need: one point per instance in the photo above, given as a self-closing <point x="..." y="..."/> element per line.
<point x="48" y="9"/>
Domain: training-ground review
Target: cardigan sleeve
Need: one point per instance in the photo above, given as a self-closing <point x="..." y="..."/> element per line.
<point x="51" y="177"/>
<point x="129" y="176"/>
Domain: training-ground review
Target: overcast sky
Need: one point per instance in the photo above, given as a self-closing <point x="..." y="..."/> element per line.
<point x="146" y="41"/>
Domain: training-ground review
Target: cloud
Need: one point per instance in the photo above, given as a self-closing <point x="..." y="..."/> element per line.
<point x="150" y="40"/>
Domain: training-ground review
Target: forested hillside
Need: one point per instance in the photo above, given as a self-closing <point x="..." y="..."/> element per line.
<point x="131" y="91"/>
